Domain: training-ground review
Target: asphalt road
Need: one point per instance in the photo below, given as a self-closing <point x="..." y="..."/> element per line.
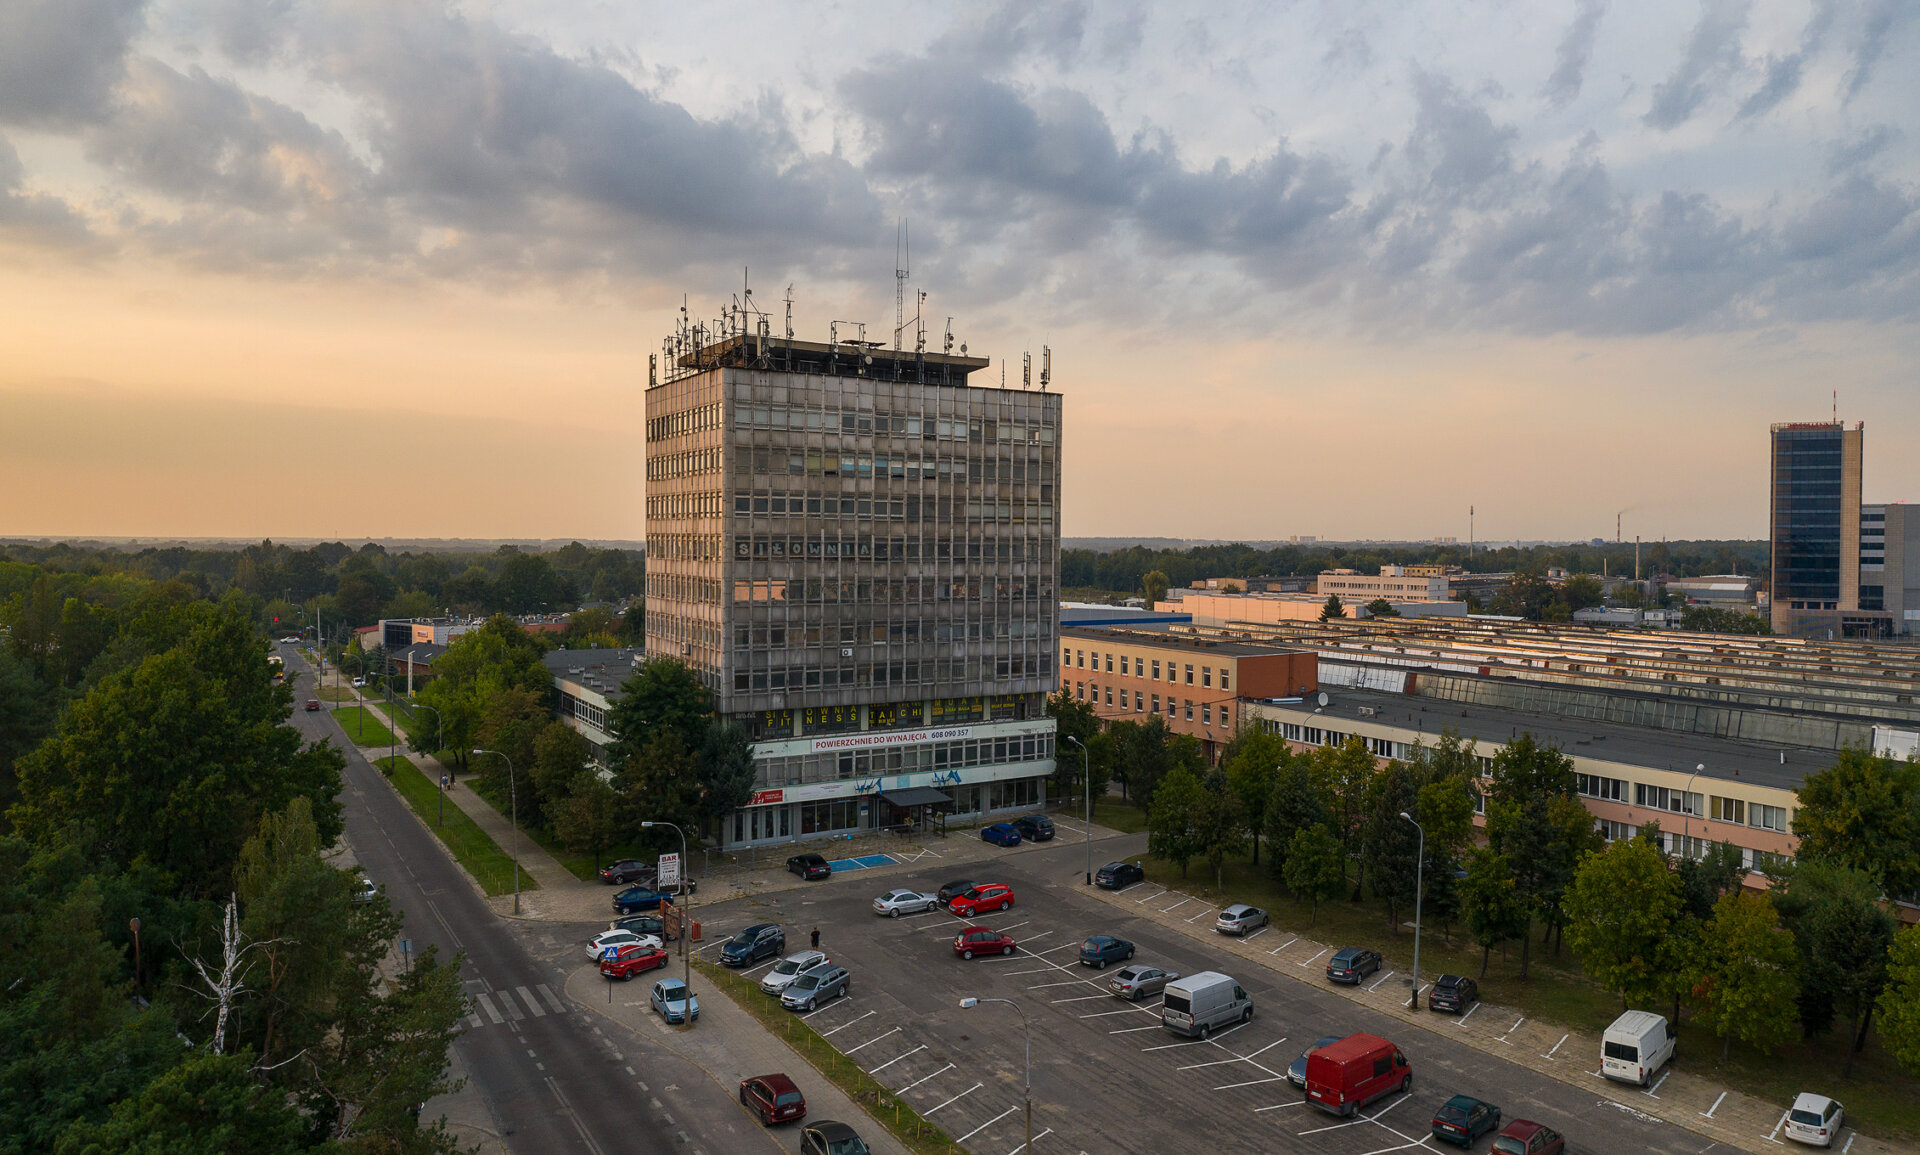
<point x="555" y="1080"/>
<point x="1107" y="1077"/>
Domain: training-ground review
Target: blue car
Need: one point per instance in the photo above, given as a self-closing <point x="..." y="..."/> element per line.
<point x="1001" y="834"/>
<point x="635" y="899"/>
<point x="1102" y="949"/>
<point x="673" y="1002"/>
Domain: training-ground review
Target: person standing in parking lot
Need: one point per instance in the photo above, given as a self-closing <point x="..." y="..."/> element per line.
<point x="814" y="939"/>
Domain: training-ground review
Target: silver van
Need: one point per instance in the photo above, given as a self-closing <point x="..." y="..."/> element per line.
<point x="1198" y="1005"/>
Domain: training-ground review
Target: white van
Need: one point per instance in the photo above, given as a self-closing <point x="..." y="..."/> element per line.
<point x="1638" y="1044"/>
<point x="1199" y="1004"/>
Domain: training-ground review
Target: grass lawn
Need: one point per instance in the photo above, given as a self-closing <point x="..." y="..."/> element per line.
<point x="363" y="727"/>
<point x="336" y="693"/>
<point x="886" y="1108"/>
<point x="1879" y="1097"/>
<point x="1112" y="813"/>
<point x="583" y="866"/>
<point x="476" y="852"/>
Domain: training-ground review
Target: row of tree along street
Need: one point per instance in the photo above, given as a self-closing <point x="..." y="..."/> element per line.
<point x="184" y="969"/>
<point x="673" y="761"/>
<point x="1819" y="949"/>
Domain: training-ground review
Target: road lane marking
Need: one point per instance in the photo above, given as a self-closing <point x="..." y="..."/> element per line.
<point x="895" y="1059"/>
<point x="1125" y="889"/>
<point x="1708" y="1113"/>
<point x="573" y="1117"/>
<point x="1280" y="1106"/>
<point x="1383" y="978"/>
<point x="473" y="1019"/>
<point x="871" y="1042"/>
<point x="507" y="1004"/>
<point x="1063" y="946"/>
<point x="956" y="1098"/>
<point x="922" y="1079"/>
<point x="539" y="1012"/>
<point x="551" y="1000"/>
<point x="486" y="1004"/>
<point x="842" y="1026"/>
<point x="987" y="1124"/>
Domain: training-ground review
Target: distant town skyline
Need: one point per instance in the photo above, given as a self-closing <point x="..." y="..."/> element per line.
<point x="335" y="270"/>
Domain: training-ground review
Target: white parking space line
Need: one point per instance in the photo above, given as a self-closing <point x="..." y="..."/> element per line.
<point x="842" y="1026"/>
<point x="1462" y="1020"/>
<point x="1777" y="1126"/>
<point x="1201" y="915"/>
<point x="761" y="967"/>
<point x="1063" y="946"/>
<point x="548" y="995"/>
<point x="1251" y="1083"/>
<point x="1383" y="978"/>
<point x="1555" y="1047"/>
<point x="1095" y="1015"/>
<point x="1131" y="1030"/>
<point x="895" y="1059"/>
<point x="1034" y="971"/>
<point x="1280" y="1106"/>
<point x="1195" y="1042"/>
<point x="1149" y="898"/>
<point x="1649" y="1092"/>
<point x="1258" y="933"/>
<point x="1124" y="889"/>
<point x="1398" y="1147"/>
<point x="871" y="1042"/>
<point x="1708" y="1113"/>
<point x="1175" y="906"/>
<point x="1373" y="1118"/>
<point x="987" y="1124"/>
<point x="1510" y="1030"/>
<point x="1044" y="986"/>
<point x="923" y="1078"/>
<point x="1849" y="1146"/>
<point x="1082" y="998"/>
<point x="955" y="1099"/>
<point x="1036" y="1139"/>
<point x="1265" y="1049"/>
<point x="1283" y="946"/>
<point x="1323" y="950"/>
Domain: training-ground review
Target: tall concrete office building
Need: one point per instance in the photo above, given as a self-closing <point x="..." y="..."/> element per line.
<point x="858" y="550"/>
<point x="1815" y="529"/>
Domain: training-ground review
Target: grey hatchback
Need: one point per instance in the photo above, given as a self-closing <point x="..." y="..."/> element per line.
<point x="1240" y="918"/>
<point x="1137" y="982"/>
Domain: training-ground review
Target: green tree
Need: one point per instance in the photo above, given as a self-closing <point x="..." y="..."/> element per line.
<point x="1341" y="775"/>
<point x="1716" y="620"/>
<point x="1580" y="591"/>
<point x="1748" y="974"/>
<point x="560" y="753"/>
<point x="208" y="1105"/>
<point x="1074" y="721"/>
<point x="1378" y="607"/>
<point x="527" y="584"/>
<point x="1253" y="760"/>
<point x="1148" y="752"/>
<point x="1490" y="904"/>
<point x="661" y="783"/>
<point x="1220" y="825"/>
<point x="1315" y="868"/>
<point x="1153" y="587"/>
<point x="585" y="821"/>
<point x="1900" y="1000"/>
<point x="1332" y="609"/>
<point x="477" y="669"/>
<point x="1848" y="939"/>
<point x="664" y="693"/>
<point x="1523" y="825"/>
<point x="1621" y="912"/>
<point x="26" y="717"/>
<point x="1294" y="804"/>
<point x="726" y="772"/>
<point x="1173" y="817"/>
<point x="1863" y="812"/>
<point x="1390" y="845"/>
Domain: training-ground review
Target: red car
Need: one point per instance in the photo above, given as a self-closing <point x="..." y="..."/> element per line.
<point x="980" y="940"/>
<point x="1525" y="1137"/>
<point x="313" y="703"/>
<point x="633" y="959"/>
<point x="774" y="1098"/>
<point x="983" y="897"/>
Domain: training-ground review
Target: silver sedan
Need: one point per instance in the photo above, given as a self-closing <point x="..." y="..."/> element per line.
<point x="895" y="903"/>
<point x="1137" y="982"/>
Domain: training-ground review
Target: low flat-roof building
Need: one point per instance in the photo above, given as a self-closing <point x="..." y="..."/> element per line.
<point x="1394" y="583"/>
<point x="586" y="684"/>
<point x="1211" y="609"/>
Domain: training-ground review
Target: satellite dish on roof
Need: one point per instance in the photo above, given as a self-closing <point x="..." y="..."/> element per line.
<point x="1323" y="698"/>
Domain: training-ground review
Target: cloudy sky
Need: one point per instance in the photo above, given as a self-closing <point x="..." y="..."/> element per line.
<point x="393" y="267"/>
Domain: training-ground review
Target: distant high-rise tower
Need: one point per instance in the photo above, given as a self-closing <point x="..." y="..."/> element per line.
<point x="1815" y="528"/>
<point x="858" y="551"/>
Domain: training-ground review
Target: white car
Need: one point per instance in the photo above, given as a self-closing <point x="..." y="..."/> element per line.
<point x="289" y="641"/>
<point x="358" y="682"/>
<point x="1815" y="1119"/>
<point x="791" y="968"/>
<point x="895" y="903"/>
<point x="599" y="944"/>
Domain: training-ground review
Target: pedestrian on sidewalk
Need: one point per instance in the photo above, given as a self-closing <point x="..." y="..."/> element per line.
<point x="815" y="942"/>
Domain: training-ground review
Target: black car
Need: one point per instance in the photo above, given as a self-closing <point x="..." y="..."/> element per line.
<point x="827" y="1137"/>
<point x="952" y="890"/>
<point x="761" y="940"/>
<point x="1463" y="1118"/>
<point x="1453" y="993"/>
<point x="641" y="924"/>
<point x="1353" y="964"/>
<point x="1034" y="827"/>
<point x="1297" y="1073"/>
<point x="809" y="866"/>
<point x="1119" y="875"/>
<point x="628" y="870"/>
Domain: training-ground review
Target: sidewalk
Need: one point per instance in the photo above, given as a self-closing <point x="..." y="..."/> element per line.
<point x="1679" y="1097"/>
<point x="729" y="1046"/>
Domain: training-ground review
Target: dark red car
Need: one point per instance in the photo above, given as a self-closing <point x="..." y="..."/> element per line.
<point x="774" y="1098"/>
<point x="633" y="959"/>
<point x="313" y="703"/>
<point x="980" y="940"/>
<point x="982" y="897"/>
<point x="1525" y="1137"/>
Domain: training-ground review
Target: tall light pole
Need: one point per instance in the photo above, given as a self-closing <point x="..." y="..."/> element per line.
<point x="513" y="816"/>
<point x="441" y="820"/>
<point x="1086" y="775"/>
<point x="969" y="1003"/>
<point x="1686" y="808"/>
<point x="1419" y="890"/>
<point x="686" y="913"/>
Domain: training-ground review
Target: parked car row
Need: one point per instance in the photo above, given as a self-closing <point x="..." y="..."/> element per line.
<point x="776" y="1099"/>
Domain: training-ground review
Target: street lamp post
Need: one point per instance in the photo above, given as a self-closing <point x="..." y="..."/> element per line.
<point x="442" y="817"/>
<point x="1419" y="891"/>
<point x="1086" y="775"/>
<point x="513" y="816"/>
<point x="1686" y="809"/>
<point x="686" y="913"/>
<point x="969" y="1003"/>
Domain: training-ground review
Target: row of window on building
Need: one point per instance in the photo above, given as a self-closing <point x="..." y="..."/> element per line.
<point x="686" y="463"/>
<point x="697" y="419"/>
<point x="943" y="508"/>
<point x="1021" y="467"/>
<point x="1078" y="660"/>
<point x="910" y="591"/>
<point x="1086" y="691"/>
<point x="574" y="706"/>
<point x="881" y="716"/>
<point x="1737" y="811"/>
<point x="685" y="506"/>
<point x="945" y="671"/>
<point x="865" y="547"/>
<point x="860" y="422"/>
<point x="831" y="815"/>
<point x="882" y="631"/>
<point x="805" y="769"/>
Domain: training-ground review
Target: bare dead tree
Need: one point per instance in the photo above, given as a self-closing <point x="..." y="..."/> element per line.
<point x="229" y="983"/>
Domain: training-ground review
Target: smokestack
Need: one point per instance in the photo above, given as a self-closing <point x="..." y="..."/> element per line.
<point x="1636" y="557"/>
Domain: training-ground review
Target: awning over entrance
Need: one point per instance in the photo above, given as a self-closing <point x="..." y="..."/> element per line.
<point x="916" y="796"/>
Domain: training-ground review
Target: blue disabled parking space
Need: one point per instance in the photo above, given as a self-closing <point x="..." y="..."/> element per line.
<point x="862" y="862"/>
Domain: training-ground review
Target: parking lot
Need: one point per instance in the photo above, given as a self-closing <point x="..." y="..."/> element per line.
<point x="1106" y="1076"/>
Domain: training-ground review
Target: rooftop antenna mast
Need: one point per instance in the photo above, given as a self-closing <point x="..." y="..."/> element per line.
<point x="1026" y="370"/>
<point x="789" y="310"/>
<point x="902" y="254"/>
<point x="1046" y="366"/>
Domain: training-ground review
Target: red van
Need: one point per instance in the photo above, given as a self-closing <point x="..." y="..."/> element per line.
<point x="1345" y="1076"/>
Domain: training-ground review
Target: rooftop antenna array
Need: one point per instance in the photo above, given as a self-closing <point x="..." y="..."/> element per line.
<point x="789" y="310"/>
<point x="1026" y="370"/>
<point x="1046" y="366"/>
<point x="902" y="254"/>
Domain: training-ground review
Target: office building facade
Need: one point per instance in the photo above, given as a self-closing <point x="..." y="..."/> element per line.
<point x="1815" y="530"/>
<point x="857" y="550"/>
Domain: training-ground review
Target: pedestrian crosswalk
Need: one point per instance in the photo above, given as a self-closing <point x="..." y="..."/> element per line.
<point x="500" y="1005"/>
